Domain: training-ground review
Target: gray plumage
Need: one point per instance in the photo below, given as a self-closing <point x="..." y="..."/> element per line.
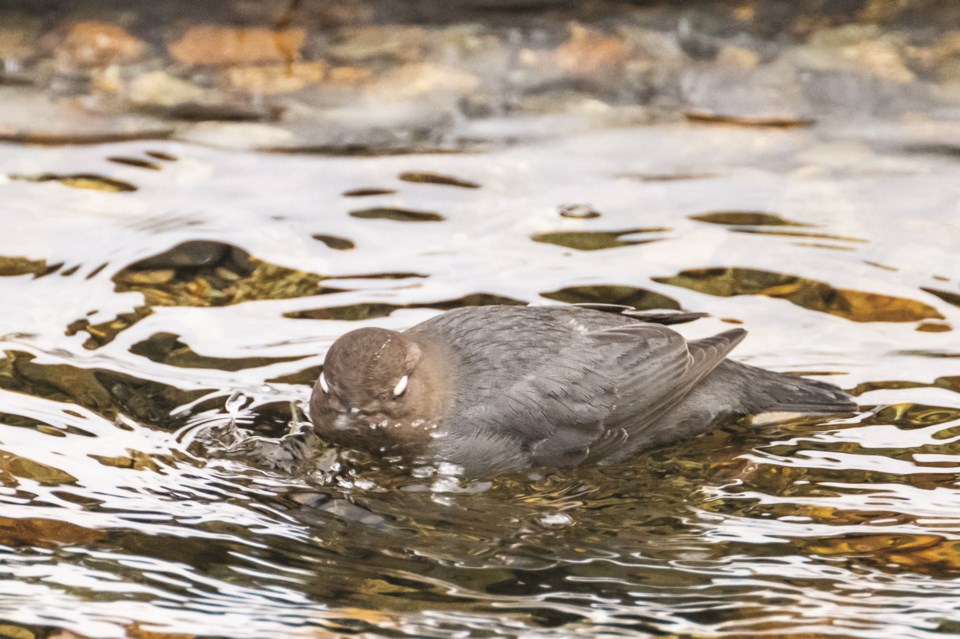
<point x="500" y="388"/>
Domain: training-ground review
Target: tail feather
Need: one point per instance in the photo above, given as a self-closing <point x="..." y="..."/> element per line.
<point x="767" y="391"/>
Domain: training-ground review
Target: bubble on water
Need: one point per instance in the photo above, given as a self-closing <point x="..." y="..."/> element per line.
<point x="556" y="519"/>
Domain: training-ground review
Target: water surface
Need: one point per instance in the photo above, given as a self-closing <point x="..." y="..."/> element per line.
<point x="120" y="356"/>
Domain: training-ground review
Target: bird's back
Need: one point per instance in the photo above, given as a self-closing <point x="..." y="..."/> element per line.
<point x="493" y="346"/>
<point x="559" y="386"/>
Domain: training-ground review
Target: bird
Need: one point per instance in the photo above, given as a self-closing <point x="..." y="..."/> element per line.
<point x="499" y="388"/>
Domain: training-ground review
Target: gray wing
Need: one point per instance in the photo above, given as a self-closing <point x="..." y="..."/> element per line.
<point x="657" y="368"/>
<point x="601" y="389"/>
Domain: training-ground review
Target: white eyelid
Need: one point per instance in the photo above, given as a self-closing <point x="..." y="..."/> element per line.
<point x="323" y="384"/>
<point x="401" y="386"/>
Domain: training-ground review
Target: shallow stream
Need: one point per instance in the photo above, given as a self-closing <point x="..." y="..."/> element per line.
<point x="836" y="249"/>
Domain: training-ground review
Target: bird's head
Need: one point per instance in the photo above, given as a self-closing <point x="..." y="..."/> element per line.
<point x="379" y="391"/>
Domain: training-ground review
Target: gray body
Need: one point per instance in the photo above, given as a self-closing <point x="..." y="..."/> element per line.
<point x="563" y="386"/>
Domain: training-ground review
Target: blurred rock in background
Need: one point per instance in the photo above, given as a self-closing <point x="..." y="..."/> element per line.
<point x="396" y="76"/>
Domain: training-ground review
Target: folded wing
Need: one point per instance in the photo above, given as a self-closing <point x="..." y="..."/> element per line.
<point x="602" y="388"/>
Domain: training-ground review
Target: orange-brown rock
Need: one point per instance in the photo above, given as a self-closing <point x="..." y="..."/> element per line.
<point x="222" y="45"/>
<point x="348" y="75"/>
<point x="589" y="51"/>
<point x="14" y="42"/>
<point x="276" y="78"/>
<point x="45" y="533"/>
<point x="94" y="44"/>
<point x="731" y="56"/>
<point x="135" y="631"/>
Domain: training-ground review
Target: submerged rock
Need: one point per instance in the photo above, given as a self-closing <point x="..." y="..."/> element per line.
<point x="745" y="218"/>
<point x="105" y="392"/>
<point x="21" y="266"/>
<point x="209" y="273"/>
<point x="632" y="296"/>
<point x="857" y="306"/>
<point x="424" y="177"/>
<point x="595" y="240"/>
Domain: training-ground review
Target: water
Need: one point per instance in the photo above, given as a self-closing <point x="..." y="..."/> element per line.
<point x="122" y="512"/>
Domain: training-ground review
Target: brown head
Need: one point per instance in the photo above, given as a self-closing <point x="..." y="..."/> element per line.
<point x="379" y="391"/>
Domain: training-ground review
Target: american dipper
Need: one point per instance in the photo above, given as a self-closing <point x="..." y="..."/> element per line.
<point x="499" y="388"/>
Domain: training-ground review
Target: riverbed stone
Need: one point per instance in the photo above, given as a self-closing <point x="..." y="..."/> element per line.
<point x="421" y="80"/>
<point x="308" y="64"/>
<point x="171" y="97"/>
<point x="661" y="47"/>
<point x="276" y="78"/>
<point x="348" y="75"/>
<point x="942" y="59"/>
<point x="398" y="43"/>
<point x="767" y="93"/>
<point x="31" y="116"/>
<point x="92" y="43"/>
<point x="862" y="49"/>
<point x="733" y="56"/>
<point x="17" y="39"/>
<point x="238" y="135"/>
<point x="161" y="89"/>
<point x="218" y="45"/>
<point x="589" y="51"/>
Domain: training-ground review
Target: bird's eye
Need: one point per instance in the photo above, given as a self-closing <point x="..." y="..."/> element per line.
<point x="323" y="384"/>
<point x="401" y="386"/>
